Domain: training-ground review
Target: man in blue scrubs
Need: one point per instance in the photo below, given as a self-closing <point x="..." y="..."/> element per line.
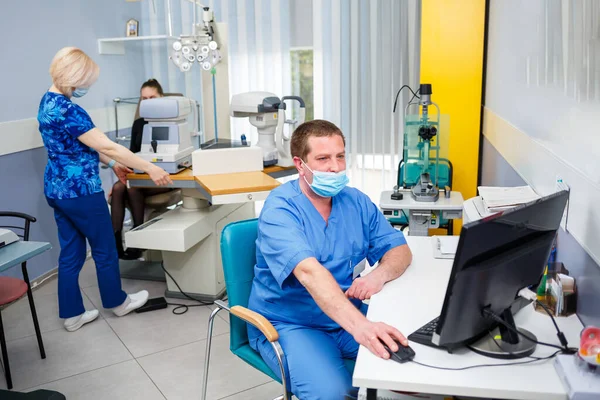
<point x="313" y="234"/>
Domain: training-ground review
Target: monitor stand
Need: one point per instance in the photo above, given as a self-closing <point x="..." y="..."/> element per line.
<point x="504" y="343"/>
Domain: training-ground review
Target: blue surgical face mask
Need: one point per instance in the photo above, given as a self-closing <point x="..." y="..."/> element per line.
<point x="79" y="92"/>
<point x="327" y="184"/>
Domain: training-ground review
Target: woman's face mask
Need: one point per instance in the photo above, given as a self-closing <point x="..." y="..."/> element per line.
<point x="327" y="184"/>
<point x="79" y="92"/>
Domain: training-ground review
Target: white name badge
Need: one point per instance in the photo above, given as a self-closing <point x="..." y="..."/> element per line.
<point x="359" y="268"/>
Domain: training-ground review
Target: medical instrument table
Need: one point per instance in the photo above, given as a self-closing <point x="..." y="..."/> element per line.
<point x="416" y="298"/>
<point x="19" y="252"/>
<point x="422" y="215"/>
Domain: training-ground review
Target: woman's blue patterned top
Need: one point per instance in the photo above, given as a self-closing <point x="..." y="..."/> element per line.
<point x="72" y="169"/>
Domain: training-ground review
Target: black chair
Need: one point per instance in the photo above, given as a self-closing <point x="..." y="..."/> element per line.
<point x="41" y="394"/>
<point x="21" y="228"/>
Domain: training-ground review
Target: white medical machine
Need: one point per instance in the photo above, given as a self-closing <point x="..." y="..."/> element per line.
<point x="201" y="46"/>
<point x="416" y="199"/>
<point x="189" y="238"/>
<point x="7" y="237"/>
<point x="206" y="45"/>
<point x="266" y="112"/>
<point x="167" y="140"/>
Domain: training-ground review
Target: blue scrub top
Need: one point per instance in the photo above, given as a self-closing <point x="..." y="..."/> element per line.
<point x="290" y="229"/>
<point x="72" y="169"/>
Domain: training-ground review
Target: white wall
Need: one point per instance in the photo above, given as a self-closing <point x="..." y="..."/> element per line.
<point x="543" y="101"/>
<point x="544" y="75"/>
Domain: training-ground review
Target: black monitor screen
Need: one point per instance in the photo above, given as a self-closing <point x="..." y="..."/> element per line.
<point x="160" y="133"/>
<point x="496" y="257"/>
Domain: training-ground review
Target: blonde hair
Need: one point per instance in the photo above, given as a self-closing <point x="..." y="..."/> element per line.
<point x="72" y="68"/>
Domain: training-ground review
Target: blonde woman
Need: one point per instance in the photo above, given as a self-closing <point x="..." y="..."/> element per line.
<point x="73" y="189"/>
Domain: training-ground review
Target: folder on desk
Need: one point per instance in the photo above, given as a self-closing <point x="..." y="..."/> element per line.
<point x="444" y="246"/>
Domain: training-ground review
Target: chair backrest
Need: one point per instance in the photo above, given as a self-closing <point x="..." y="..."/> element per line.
<point x="414" y="170"/>
<point x="22" y="227"/>
<point x="238" y="253"/>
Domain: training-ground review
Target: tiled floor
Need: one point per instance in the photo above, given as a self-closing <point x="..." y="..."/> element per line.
<point x="155" y="355"/>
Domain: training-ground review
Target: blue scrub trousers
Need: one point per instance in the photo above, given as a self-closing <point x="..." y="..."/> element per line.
<point x="78" y="219"/>
<point x="314" y="358"/>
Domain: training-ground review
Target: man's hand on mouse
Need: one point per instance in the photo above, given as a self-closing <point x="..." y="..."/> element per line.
<point x="364" y="287"/>
<point x="373" y="334"/>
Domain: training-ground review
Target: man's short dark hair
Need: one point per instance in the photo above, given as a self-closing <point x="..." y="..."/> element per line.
<point x="317" y="128"/>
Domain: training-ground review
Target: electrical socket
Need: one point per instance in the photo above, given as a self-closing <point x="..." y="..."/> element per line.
<point x="562" y="185"/>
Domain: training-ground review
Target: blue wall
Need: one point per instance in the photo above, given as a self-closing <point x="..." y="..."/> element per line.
<point x="39" y="29"/>
<point x="52" y="25"/>
<point x="495" y="171"/>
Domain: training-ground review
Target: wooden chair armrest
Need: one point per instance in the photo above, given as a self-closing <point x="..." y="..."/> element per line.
<point x="260" y="322"/>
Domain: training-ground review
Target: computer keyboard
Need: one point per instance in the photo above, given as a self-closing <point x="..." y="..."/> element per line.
<point x="424" y="334"/>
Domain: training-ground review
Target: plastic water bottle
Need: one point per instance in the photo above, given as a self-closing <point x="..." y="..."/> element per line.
<point x="552" y="257"/>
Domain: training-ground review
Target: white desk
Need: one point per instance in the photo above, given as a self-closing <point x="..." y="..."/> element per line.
<point x="415" y="299"/>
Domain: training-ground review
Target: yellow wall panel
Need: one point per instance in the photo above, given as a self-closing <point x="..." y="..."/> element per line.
<point x="452" y="43"/>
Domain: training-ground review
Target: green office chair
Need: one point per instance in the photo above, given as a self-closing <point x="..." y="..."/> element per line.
<point x="413" y="172"/>
<point x="238" y="252"/>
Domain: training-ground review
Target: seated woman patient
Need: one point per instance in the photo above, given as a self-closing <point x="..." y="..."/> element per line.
<point x="135" y="196"/>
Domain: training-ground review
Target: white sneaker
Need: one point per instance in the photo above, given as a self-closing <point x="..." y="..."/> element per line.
<point x="74" y="323"/>
<point x="132" y="302"/>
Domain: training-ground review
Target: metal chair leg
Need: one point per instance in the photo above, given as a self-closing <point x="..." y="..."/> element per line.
<point x="5" y="356"/>
<point x="279" y="354"/>
<point x="36" y="324"/>
<point x="207" y="353"/>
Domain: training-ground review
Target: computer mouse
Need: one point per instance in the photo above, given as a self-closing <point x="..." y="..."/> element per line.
<point x="404" y="353"/>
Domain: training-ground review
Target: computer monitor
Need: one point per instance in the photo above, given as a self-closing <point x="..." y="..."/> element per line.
<point x="496" y="258"/>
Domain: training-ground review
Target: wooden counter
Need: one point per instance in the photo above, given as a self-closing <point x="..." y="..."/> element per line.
<point x="223" y="188"/>
<point x="187" y="174"/>
<point x="242" y="182"/>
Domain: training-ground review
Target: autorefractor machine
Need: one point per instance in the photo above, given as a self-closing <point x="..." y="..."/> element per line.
<point x="266" y="112"/>
<point x="166" y="138"/>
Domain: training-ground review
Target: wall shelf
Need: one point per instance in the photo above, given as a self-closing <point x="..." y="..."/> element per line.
<point x="116" y="46"/>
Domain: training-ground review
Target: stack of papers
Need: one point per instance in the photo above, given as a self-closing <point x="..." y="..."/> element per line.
<point x="444" y="246"/>
<point x="497" y="199"/>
